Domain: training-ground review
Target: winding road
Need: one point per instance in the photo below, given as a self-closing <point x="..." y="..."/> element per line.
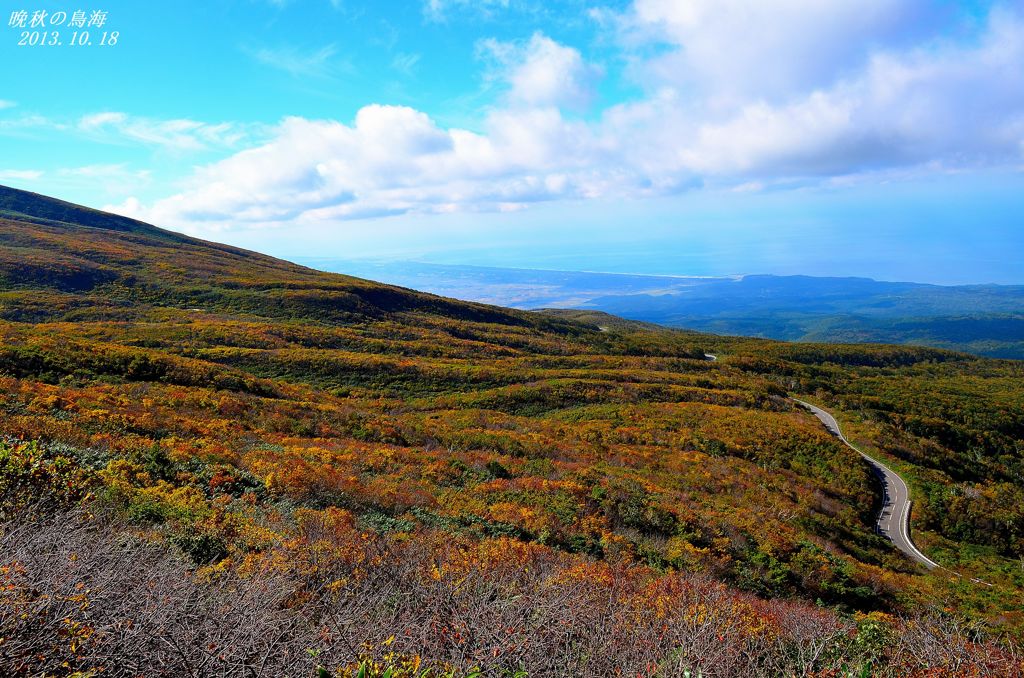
<point x="894" y="519"/>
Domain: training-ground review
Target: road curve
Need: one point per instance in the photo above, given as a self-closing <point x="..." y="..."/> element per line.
<point x="894" y="519"/>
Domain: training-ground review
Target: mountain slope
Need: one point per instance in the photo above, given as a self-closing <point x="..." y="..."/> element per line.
<point x="342" y="438"/>
<point x="46" y="243"/>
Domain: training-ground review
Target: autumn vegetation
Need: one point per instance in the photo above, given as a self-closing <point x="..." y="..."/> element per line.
<point x="213" y="462"/>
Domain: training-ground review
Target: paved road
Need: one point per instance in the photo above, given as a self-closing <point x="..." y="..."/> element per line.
<point x="894" y="520"/>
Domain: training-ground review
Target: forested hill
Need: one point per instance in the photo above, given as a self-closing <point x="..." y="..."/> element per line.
<point x="210" y="457"/>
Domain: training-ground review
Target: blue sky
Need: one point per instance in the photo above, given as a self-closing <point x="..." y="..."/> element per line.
<point x="854" y="137"/>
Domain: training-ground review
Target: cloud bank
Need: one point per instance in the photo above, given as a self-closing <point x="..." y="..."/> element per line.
<point x="734" y="95"/>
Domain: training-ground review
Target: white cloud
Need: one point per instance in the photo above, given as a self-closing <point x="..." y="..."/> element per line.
<point x="736" y="49"/>
<point x="113" y="177"/>
<point x="5" y="103"/>
<point x="20" y="175"/>
<point x="502" y="10"/>
<point x="391" y="160"/>
<point x="405" y="63"/>
<point x="894" y="105"/>
<point x="179" y="134"/>
<point x="111" y="181"/>
<point x="437" y="10"/>
<point x="101" y="182"/>
<point x="944" y="104"/>
<point x="25" y="124"/>
<point x="321" y="62"/>
<point x="543" y="72"/>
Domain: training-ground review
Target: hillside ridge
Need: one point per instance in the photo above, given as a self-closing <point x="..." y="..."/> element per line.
<point x="42" y="245"/>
